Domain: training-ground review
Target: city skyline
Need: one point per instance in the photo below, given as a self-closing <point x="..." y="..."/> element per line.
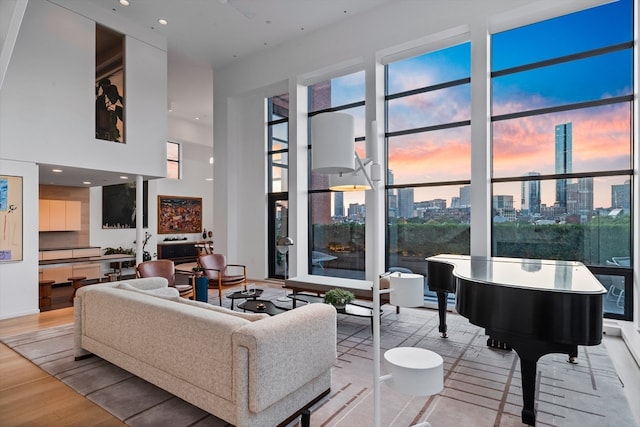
<point x="601" y="134"/>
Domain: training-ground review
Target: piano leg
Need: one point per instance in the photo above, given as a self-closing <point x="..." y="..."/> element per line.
<point x="529" y="351"/>
<point x="442" y="313"/>
<point x="528" y="370"/>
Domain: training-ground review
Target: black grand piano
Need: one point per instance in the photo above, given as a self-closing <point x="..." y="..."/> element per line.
<point x="535" y="307"/>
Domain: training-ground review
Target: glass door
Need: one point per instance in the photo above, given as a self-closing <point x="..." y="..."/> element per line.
<point x="278" y="228"/>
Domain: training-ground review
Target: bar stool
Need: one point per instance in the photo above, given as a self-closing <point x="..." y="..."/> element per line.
<point x="110" y="277"/>
<point x="76" y="282"/>
<point x="44" y="293"/>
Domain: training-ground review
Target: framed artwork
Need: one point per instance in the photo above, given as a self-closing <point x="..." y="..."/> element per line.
<point x="110" y="108"/>
<point x="119" y="205"/>
<point x="179" y="215"/>
<point x="10" y="218"/>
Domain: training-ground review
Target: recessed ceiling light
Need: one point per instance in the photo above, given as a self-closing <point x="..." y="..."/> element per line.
<point x="211" y="160"/>
<point x="124" y="177"/>
<point x="162" y="21"/>
<point x="56" y="170"/>
<point x="87" y="182"/>
<point x="124" y="2"/>
<point x="208" y="179"/>
<point x="197" y="118"/>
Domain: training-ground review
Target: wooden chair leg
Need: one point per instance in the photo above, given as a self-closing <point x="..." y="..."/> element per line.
<point x="220" y="289"/>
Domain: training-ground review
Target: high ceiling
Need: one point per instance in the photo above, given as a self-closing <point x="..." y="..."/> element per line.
<point x="210" y="34"/>
<point x="205" y="35"/>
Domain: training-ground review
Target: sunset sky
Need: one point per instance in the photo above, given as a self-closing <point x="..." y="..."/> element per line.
<point x="601" y="135"/>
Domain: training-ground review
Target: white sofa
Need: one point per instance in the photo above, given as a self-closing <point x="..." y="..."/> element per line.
<point x="247" y="369"/>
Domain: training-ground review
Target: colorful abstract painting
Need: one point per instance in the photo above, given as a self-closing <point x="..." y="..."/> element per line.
<point x="10" y="218"/>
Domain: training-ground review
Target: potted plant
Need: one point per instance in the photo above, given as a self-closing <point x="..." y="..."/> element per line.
<point x="338" y="298"/>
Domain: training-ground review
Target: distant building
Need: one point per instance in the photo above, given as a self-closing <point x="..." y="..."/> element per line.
<point x="503" y="207"/>
<point x="563" y="147"/>
<point x="405" y="203"/>
<point x="465" y="196"/>
<point x="338" y="204"/>
<point x="356" y="212"/>
<point x="392" y="198"/>
<point x="555" y="212"/>
<point x="530" y="196"/>
<point x="621" y="196"/>
<point x="580" y="198"/>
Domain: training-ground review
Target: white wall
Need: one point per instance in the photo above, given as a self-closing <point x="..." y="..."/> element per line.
<point x="47" y="104"/>
<point x="48" y="97"/>
<point x="19" y="279"/>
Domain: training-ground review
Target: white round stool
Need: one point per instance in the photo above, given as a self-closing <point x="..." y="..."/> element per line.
<point x="415" y="371"/>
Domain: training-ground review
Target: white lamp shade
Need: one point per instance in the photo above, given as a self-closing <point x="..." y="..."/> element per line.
<point x="350" y="181"/>
<point x="414" y="371"/>
<point x="332" y="143"/>
<point x="407" y="289"/>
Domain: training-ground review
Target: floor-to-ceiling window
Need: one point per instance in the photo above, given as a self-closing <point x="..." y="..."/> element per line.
<point x="428" y="103"/>
<point x="337" y="219"/>
<point x="562" y="116"/>
<point x="277" y="181"/>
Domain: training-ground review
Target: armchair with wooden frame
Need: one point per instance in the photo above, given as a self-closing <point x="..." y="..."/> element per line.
<point x="221" y="274"/>
<point x="167" y="269"/>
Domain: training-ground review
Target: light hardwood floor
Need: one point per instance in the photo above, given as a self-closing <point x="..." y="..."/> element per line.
<point x="31" y="397"/>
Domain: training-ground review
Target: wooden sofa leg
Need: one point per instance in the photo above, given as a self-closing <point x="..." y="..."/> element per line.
<point x="305" y="420"/>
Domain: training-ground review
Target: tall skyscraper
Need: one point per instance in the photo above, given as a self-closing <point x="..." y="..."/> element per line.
<point x="465" y="196"/>
<point x="405" y="202"/>
<point x="563" y="160"/>
<point x="392" y="198"/>
<point x="530" y="196"/>
<point x="338" y="204"/>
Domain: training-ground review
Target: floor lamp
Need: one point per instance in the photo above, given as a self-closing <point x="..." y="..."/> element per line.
<point x="282" y="245"/>
<point x="412" y="370"/>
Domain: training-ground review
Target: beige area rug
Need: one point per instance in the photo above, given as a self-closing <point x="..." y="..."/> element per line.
<point x="482" y="385"/>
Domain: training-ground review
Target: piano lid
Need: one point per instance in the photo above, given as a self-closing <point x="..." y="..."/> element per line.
<point x="534" y="274"/>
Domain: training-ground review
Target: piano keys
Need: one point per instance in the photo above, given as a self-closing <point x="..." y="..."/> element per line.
<point x="536" y="307"/>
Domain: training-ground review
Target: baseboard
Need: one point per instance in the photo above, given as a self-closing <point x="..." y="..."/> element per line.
<point x="628" y="331"/>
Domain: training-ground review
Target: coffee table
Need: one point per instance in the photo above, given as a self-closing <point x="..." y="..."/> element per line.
<point x="270" y="308"/>
<point x="244" y="294"/>
<point x="350" y="309"/>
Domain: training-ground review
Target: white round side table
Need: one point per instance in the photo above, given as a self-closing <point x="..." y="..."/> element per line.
<point x="414" y="371"/>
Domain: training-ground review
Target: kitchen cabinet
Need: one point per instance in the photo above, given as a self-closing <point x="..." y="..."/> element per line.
<point x="60" y="215"/>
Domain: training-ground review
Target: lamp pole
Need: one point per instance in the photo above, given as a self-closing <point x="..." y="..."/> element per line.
<point x="376" y="351"/>
<point x="282" y="245"/>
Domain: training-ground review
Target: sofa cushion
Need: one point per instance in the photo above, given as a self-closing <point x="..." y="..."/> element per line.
<point x="248" y="316"/>
<point x="166" y="293"/>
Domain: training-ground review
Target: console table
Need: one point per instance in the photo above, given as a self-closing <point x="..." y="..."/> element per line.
<point x="178" y="251"/>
